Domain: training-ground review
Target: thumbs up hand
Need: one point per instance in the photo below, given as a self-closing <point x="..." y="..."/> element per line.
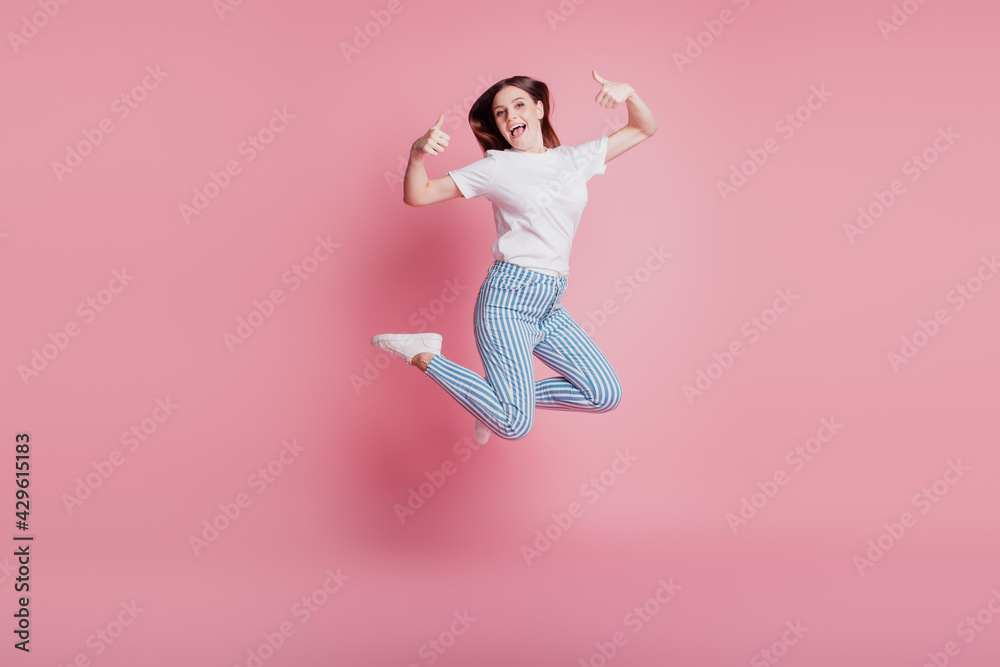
<point x="434" y="141"/>
<point x="612" y="94"/>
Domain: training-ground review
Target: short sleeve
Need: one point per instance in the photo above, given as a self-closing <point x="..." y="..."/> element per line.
<point x="475" y="179"/>
<point x="589" y="157"/>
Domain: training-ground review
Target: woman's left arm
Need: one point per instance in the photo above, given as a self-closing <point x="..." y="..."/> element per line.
<point x="641" y="124"/>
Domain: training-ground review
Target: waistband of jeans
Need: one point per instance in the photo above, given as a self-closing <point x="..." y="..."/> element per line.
<point x="518" y="271"/>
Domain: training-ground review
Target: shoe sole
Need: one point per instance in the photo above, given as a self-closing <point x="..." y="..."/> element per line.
<point x="394" y="337"/>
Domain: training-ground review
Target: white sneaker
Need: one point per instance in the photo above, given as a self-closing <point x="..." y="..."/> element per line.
<point x="482" y="433"/>
<point x="407" y="346"/>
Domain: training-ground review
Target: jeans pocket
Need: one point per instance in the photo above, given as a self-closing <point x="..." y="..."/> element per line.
<point x="508" y="283"/>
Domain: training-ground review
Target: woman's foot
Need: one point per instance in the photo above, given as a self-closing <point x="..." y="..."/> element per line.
<point x="422" y="360"/>
<point x="415" y="349"/>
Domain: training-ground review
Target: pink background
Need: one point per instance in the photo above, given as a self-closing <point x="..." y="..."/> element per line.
<point x="332" y="173"/>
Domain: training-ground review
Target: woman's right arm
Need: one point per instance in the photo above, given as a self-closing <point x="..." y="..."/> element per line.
<point x="417" y="189"/>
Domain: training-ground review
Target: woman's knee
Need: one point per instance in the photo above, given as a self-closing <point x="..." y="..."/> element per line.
<point x="518" y="432"/>
<point x="610" y="395"/>
<point x="517" y="429"/>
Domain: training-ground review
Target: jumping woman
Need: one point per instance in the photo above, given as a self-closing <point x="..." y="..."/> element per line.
<point x="538" y="189"/>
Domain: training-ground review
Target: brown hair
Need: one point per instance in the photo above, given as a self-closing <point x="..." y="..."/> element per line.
<point x="484" y="125"/>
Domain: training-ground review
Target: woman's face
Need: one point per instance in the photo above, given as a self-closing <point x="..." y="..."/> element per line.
<point x="512" y="107"/>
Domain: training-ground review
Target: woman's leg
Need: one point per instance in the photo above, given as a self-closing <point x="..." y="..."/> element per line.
<point x="505" y="399"/>
<point x="588" y="381"/>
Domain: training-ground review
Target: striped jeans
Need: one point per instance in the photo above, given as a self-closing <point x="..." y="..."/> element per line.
<point x="518" y="313"/>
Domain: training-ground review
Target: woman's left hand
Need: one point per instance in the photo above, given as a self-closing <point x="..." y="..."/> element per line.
<point x="612" y="94"/>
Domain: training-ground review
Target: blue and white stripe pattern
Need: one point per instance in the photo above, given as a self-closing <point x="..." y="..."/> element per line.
<point x="520" y="312"/>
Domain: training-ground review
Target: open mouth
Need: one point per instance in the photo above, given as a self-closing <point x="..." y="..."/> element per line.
<point x="517" y="130"/>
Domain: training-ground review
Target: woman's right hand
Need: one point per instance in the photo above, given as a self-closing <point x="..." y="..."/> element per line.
<point x="434" y="141"/>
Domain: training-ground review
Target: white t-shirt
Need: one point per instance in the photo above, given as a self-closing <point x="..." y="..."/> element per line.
<point x="537" y="198"/>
